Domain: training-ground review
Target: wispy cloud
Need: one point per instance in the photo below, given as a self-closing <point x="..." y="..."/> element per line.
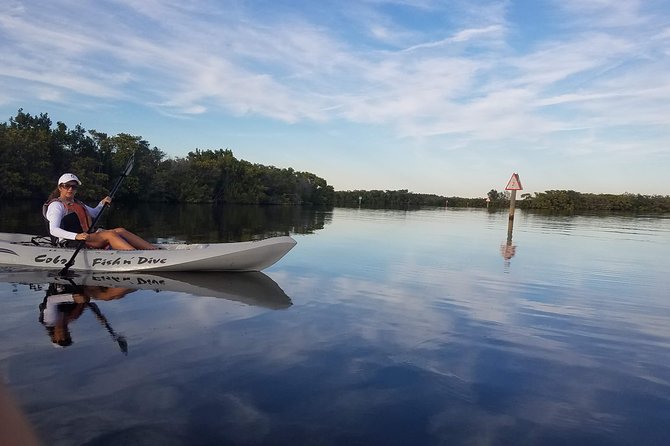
<point x="461" y="36"/>
<point x="293" y="71"/>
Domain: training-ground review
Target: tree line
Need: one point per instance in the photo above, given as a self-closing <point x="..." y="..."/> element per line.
<point x="386" y="199"/>
<point x="573" y="201"/>
<point x="34" y="153"/>
<point x="551" y="200"/>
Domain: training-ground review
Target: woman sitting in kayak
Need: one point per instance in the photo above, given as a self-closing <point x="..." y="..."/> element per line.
<point x="70" y="219"/>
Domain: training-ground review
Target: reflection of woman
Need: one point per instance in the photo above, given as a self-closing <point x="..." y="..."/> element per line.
<point x="66" y="303"/>
<point x="70" y="219"/>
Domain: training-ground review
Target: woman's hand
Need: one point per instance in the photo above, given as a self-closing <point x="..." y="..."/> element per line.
<point x="106" y="200"/>
<point x="81" y="236"/>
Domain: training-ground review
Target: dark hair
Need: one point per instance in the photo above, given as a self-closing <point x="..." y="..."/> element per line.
<point x="54" y="194"/>
<point x="65" y="342"/>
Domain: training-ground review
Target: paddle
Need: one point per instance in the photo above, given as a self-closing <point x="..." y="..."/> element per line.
<point x="125" y="173"/>
<point x="123" y="345"/>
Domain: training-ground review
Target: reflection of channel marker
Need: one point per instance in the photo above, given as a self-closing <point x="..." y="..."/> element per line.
<point x="507" y="251"/>
<point x="514" y="184"/>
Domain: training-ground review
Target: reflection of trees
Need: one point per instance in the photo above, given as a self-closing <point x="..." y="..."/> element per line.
<point x="186" y="222"/>
<point x="207" y="223"/>
<point x="22" y="216"/>
<point x="249" y="222"/>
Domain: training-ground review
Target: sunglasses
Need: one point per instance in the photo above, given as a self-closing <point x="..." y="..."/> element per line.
<point x="70" y="186"/>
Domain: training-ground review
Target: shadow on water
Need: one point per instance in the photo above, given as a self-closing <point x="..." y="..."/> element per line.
<point x="191" y="223"/>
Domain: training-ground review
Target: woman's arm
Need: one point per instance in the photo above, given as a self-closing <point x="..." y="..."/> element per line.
<point x="93" y="212"/>
<point x="55" y="214"/>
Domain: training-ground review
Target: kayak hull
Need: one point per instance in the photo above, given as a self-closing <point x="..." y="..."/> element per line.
<point x="249" y="288"/>
<point x="19" y="250"/>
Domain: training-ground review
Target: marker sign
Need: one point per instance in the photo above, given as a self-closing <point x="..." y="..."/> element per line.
<point x="514" y="183"/>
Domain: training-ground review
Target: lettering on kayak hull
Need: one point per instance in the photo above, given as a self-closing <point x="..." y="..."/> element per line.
<point x="99" y="261"/>
<point x="129" y="280"/>
<point x="43" y="258"/>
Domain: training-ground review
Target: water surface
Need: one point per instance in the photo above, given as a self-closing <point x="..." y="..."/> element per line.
<point x="380" y="327"/>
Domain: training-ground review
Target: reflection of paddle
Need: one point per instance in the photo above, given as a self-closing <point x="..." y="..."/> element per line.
<point x="123" y="345"/>
<point x="125" y="173"/>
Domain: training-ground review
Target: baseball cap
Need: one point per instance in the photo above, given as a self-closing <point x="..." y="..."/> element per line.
<point x="66" y="177"/>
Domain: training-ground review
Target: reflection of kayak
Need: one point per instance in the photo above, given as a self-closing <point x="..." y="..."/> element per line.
<point x="19" y="249"/>
<point x="251" y="288"/>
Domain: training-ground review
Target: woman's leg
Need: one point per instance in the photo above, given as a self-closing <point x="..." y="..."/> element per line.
<point x="102" y="239"/>
<point x="135" y="240"/>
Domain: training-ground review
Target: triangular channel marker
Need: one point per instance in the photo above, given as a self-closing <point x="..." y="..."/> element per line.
<point x="514" y="183"/>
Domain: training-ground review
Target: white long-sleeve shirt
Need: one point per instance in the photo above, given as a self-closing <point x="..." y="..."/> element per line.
<point x="55" y="213"/>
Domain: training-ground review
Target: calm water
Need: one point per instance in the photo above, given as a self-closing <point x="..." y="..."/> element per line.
<point x="424" y="327"/>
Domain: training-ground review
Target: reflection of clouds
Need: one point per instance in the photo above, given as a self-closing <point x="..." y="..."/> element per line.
<point x="549" y="334"/>
<point x="233" y="417"/>
<point x="419" y="347"/>
<point x="476" y="425"/>
<point x="351" y="351"/>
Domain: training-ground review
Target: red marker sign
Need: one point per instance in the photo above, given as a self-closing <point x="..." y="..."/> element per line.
<point x="514" y="183"/>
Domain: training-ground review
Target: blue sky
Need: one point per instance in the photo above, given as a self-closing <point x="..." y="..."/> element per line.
<point x="445" y="97"/>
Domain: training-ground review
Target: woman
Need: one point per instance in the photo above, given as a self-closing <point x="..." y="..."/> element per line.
<point x="70" y="219"/>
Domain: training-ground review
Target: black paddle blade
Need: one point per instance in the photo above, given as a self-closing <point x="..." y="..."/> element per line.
<point x="123" y="345"/>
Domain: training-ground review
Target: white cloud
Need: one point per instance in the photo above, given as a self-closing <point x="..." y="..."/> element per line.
<point x="490" y="32"/>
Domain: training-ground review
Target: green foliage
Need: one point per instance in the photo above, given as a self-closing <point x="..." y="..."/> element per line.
<point x="459" y="202"/>
<point x="494" y="195"/>
<point x="553" y="200"/>
<point x="391" y="199"/>
<point x="25" y="149"/>
<point x="571" y="201"/>
<point x="33" y="154"/>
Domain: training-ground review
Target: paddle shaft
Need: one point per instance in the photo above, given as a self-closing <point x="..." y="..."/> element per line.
<point x="123" y="345"/>
<point x="91" y="229"/>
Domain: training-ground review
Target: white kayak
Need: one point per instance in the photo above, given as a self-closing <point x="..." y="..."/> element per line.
<point x="250" y="288"/>
<point x="27" y="250"/>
